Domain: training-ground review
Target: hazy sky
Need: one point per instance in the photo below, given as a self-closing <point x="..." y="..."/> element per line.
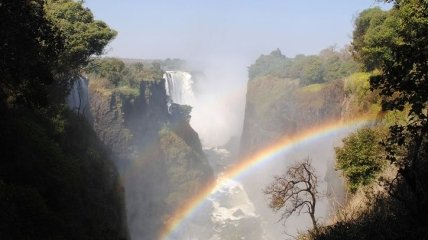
<point x="192" y="29"/>
<point x="221" y="38"/>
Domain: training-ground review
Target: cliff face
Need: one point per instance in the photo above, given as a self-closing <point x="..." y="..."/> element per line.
<point x="158" y="153"/>
<point x="128" y="123"/>
<point x="278" y="107"/>
<point x="57" y="180"/>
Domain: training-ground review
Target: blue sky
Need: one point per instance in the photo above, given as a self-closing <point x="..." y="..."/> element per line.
<point x="196" y="29"/>
<point x="221" y="38"/>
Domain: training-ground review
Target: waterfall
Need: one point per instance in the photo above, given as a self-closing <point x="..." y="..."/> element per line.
<point x="78" y="99"/>
<point x="179" y="87"/>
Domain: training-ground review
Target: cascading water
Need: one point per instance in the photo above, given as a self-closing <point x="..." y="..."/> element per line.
<point x="179" y="87"/>
<point x="228" y="210"/>
<point x="78" y="99"/>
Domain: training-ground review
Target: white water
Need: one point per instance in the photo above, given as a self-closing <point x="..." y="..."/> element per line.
<point x="78" y="99"/>
<point x="228" y="212"/>
<point x="239" y="207"/>
<point x="179" y="87"/>
<point x="220" y="91"/>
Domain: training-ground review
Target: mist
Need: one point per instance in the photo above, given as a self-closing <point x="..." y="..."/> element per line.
<point x="219" y="42"/>
<point x="220" y="88"/>
<point x="213" y="120"/>
<point x="322" y="155"/>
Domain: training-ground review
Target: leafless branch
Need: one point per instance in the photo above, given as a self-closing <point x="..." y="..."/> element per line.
<point x="295" y="192"/>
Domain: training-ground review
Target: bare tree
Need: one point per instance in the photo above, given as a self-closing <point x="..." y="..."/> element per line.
<point x="295" y="192"/>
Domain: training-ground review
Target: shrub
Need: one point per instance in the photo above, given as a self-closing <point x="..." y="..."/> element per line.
<point x="360" y="159"/>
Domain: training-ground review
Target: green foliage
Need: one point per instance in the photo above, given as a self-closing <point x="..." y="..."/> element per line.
<point x="337" y="63"/>
<point x="360" y="159"/>
<point x="369" y="31"/>
<point x="358" y="84"/>
<point x="273" y="65"/>
<point x="402" y="82"/>
<point x="29" y="46"/>
<point x="185" y="169"/>
<point x="396" y="43"/>
<point x="153" y="73"/>
<point x="112" y="74"/>
<point x="312" y="71"/>
<point x="173" y="64"/>
<point x="180" y="112"/>
<point x="384" y="219"/>
<point x="83" y="36"/>
<point x="329" y="65"/>
<point x="263" y="92"/>
<point x="402" y="40"/>
<point x="404" y="72"/>
<point x="111" y="69"/>
<point x="43" y="44"/>
<point x="361" y="98"/>
<point x="56" y="181"/>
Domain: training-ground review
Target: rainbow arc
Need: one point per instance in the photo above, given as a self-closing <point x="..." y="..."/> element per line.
<point x="279" y="147"/>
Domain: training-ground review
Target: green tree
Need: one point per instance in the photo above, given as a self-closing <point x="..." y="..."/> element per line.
<point x="110" y="68"/>
<point x="56" y="180"/>
<point x="369" y="22"/>
<point x="404" y="76"/>
<point x="402" y="80"/>
<point x="43" y="46"/>
<point x="29" y="46"/>
<point x="360" y="158"/>
<point x="312" y="71"/>
<point x="403" y="83"/>
<point x="337" y="64"/>
<point x="275" y="64"/>
<point x="83" y="36"/>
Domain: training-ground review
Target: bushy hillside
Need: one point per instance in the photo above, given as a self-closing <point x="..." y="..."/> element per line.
<point x="384" y="165"/>
<point x="394" y="43"/>
<point x="328" y="65"/>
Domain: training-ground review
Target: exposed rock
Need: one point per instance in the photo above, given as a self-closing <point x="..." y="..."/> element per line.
<point x="160" y="156"/>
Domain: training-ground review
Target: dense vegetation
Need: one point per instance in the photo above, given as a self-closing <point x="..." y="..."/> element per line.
<point x="385" y="164"/>
<point x="329" y="65"/>
<point x="56" y="179"/>
<point x="394" y="43"/>
<point x="117" y="73"/>
<point x="360" y="158"/>
<point x="125" y="77"/>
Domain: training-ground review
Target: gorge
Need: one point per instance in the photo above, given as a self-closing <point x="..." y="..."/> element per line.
<point x="162" y="161"/>
<point x="227" y="144"/>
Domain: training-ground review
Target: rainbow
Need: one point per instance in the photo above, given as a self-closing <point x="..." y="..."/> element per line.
<point x="281" y="146"/>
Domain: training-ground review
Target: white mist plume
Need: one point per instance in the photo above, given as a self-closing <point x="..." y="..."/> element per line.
<point x="218" y="111"/>
<point x="322" y="155"/>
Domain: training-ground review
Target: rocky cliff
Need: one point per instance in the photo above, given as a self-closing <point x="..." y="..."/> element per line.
<point x="277" y="107"/>
<point x="158" y="153"/>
